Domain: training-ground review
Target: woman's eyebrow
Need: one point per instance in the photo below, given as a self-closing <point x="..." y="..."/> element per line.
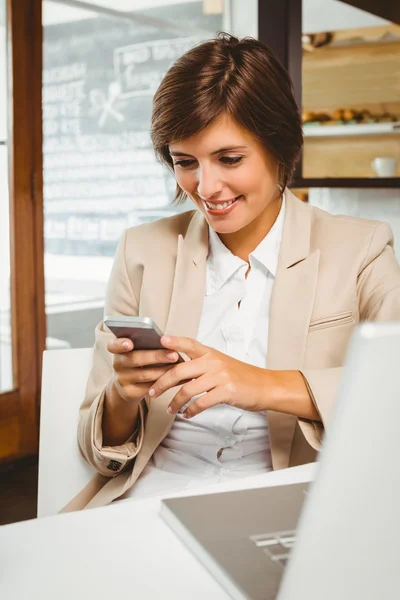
<point x="219" y="151"/>
<point x="177" y="153"/>
<point x="228" y="149"/>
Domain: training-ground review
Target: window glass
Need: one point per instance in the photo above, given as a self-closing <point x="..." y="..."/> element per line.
<point x="101" y="69"/>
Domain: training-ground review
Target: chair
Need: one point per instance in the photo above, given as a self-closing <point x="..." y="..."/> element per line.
<point x="62" y="470"/>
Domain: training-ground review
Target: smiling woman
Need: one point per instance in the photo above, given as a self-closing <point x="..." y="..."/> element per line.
<point x="241" y="81"/>
<point x="237" y="285"/>
<point x="230" y="184"/>
<point x="234" y="143"/>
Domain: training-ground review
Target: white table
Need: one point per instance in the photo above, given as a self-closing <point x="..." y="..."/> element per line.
<point x="120" y="551"/>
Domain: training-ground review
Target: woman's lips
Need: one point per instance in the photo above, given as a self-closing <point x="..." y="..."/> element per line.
<point x="221" y="211"/>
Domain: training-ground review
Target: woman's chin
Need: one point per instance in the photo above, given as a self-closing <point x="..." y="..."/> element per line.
<point x="225" y="228"/>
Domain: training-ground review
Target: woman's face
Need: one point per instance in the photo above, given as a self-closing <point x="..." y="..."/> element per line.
<point x="227" y="173"/>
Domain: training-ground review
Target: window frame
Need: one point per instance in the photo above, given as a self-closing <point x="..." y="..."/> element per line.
<point x="19" y="408"/>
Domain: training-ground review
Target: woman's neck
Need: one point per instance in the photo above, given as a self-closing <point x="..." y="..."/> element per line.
<point x="243" y="242"/>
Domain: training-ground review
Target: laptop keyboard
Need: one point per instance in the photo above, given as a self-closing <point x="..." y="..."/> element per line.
<point x="276" y="546"/>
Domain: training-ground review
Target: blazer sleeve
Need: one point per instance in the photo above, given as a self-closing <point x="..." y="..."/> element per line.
<point x="107" y="460"/>
<point x="378" y="289"/>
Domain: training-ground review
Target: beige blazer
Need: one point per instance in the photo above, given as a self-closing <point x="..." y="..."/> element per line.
<point x="333" y="272"/>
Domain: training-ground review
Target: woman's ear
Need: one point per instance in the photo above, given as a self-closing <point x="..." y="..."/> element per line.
<point x="282" y="177"/>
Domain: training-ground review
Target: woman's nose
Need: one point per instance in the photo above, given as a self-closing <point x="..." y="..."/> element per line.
<point x="208" y="184"/>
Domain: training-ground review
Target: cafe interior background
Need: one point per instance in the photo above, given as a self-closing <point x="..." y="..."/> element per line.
<point x="80" y="168"/>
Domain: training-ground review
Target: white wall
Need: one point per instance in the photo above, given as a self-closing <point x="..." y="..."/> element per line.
<point x="379" y="204"/>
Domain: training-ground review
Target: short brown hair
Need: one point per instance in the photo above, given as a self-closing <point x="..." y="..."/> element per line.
<point x="241" y="78"/>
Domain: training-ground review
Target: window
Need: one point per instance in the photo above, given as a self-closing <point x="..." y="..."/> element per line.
<point x="101" y="69"/>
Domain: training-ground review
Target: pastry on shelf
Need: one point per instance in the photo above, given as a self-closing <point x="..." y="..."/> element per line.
<point x="307" y="116"/>
<point x="323" y="117"/>
<point x="366" y="115"/>
<point x="355" y="116"/>
<point x="347" y="116"/>
<point x="313" y="118"/>
<point x="338" y="115"/>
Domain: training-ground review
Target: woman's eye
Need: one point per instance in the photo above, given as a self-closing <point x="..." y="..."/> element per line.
<point x="184" y="163"/>
<point x="231" y="160"/>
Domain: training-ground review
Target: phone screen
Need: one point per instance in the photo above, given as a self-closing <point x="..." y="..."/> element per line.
<point x="143" y="338"/>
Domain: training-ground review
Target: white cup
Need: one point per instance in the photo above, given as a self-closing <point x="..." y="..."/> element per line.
<point x="384" y="167"/>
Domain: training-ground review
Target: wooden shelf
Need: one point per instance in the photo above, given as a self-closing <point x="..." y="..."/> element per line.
<point x="352" y="130"/>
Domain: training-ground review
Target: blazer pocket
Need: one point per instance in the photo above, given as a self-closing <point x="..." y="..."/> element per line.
<point x="332" y="321"/>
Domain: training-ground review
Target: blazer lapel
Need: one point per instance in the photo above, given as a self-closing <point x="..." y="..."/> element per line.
<point x="183" y="320"/>
<point x="291" y="308"/>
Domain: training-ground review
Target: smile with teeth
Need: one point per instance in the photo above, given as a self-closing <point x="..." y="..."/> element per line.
<point x="221" y="206"/>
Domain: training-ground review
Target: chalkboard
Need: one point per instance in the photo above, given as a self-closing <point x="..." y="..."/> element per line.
<point x="100" y="173"/>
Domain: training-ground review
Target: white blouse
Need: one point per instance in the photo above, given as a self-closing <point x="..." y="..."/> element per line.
<point x="223" y="442"/>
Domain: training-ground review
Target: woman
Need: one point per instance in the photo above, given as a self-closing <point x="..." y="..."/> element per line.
<point x="259" y="290"/>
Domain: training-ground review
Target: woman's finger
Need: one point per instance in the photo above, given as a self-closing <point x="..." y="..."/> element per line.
<point x="212" y="398"/>
<point x="202" y="384"/>
<point x="143" y="358"/>
<point x="120" y="346"/>
<point x="145" y="375"/>
<point x="192" y="348"/>
<point x="176" y="375"/>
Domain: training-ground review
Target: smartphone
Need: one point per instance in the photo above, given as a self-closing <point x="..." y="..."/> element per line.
<point x="143" y="332"/>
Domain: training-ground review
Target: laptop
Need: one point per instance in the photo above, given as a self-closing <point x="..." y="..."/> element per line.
<point x="337" y="538"/>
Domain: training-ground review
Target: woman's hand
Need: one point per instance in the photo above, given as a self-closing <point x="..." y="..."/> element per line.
<point x="133" y="376"/>
<point x="225" y="379"/>
<point x="134" y="373"/>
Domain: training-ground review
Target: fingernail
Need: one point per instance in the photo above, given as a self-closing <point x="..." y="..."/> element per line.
<point x="166" y="339"/>
<point x="186" y="415"/>
<point x="126" y="345"/>
<point x="172" y="356"/>
<point x="169" y="410"/>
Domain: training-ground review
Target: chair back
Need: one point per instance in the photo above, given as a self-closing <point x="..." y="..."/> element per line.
<point x="62" y="470"/>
